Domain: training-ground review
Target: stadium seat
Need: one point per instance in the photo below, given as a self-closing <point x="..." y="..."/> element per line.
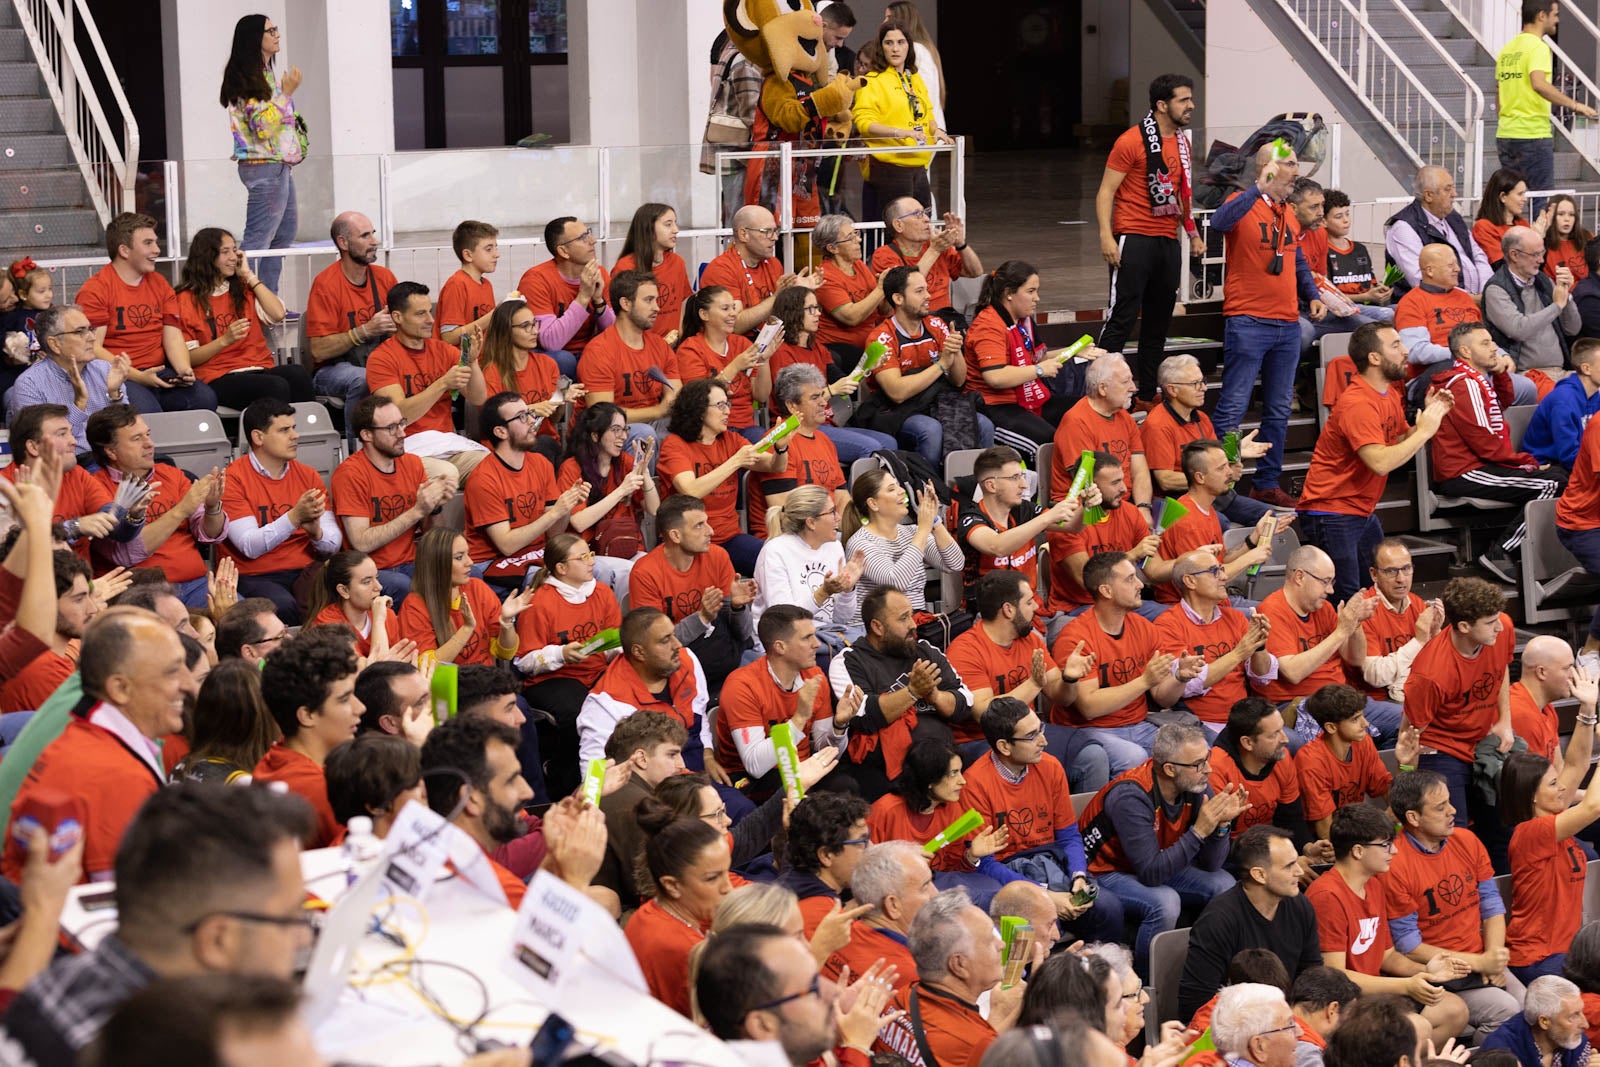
<point x="1167" y="953"/>
<point x="1554" y="584"/>
<point x="960" y="463"/>
<point x="321" y="443"/>
<point x="1273" y="572"/>
<point x="193" y="440"/>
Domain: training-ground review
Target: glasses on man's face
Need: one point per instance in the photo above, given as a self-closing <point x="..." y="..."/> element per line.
<point x="393" y="427"/>
<point x="1327" y="583"/>
<point x="721" y="405"/>
<point x="586" y="235"/>
<point x="812" y="990"/>
<point x="1026" y="738"/>
<point x="1203" y="761"/>
<point x="274" y="639"/>
<point x="1278" y="1030"/>
<point x="1198" y="383"/>
<point x="762" y="231"/>
<point x="920" y="213"/>
<point x="1387" y="846"/>
<point x="84" y="332"/>
<point x="1019" y="477"/>
<point x="525" y="416"/>
<point x="300" y="919"/>
<point x="1217" y="571"/>
<point x="1397" y="572"/>
<point x="860" y="842"/>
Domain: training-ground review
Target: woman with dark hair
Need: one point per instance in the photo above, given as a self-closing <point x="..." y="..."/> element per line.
<point x="896" y="553"/>
<point x="224" y="309"/>
<point x="231" y="728"/>
<point x="1566" y="239"/>
<point x="1006" y="361"/>
<point x="710" y="348"/>
<point x="1086" y="984"/>
<point x="926" y="799"/>
<point x="1582" y="969"/>
<point x="698" y="439"/>
<point x="1504" y="197"/>
<point x="800" y="312"/>
<point x="453" y="615"/>
<point x="892" y="110"/>
<point x="683" y="874"/>
<point x="347" y="592"/>
<point x="268" y="137"/>
<point x="1547" y="863"/>
<point x="692" y="796"/>
<point x="650" y="246"/>
<point x="622" y="487"/>
<point x="511" y="363"/>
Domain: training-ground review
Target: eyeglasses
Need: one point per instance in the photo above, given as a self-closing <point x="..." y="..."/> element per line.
<point x="1327" y="582"/>
<point x="762" y="231"/>
<point x="1396" y="572"/>
<point x="720" y="405"/>
<point x="301" y="919"/>
<point x="586" y="235"/>
<point x="279" y="636"/>
<point x="1203" y="761"/>
<point x="812" y="990"/>
<point x="861" y="841"/>
<point x="1020" y="476"/>
<point x="812" y="309"/>
<point x="920" y="213"/>
<point x="85" y="332"/>
<point x="527" y="417"/>
<point x="272" y="30"/>
<point x="617" y="429"/>
<point x="847" y="240"/>
<point x="530" y="324"/>
<point x="1387" y="846"/>
<point x="1025" y="738"/>
<point x="719" y="813"/>
<point x="393" y="427"/>
<point x="1278" y="1030"/>
<point x="1217" y="571"/>
<point x="584" y="558"/>
<point x="1136" y="996"/>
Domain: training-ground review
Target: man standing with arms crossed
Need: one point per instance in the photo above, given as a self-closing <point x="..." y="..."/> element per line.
<point x="1139" y="224"/>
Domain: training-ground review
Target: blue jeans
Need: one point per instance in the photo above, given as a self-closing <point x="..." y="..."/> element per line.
<point x="566" y="362"/>
<point x="924" y="435"/>
<point x="1349" y="540"/>
<point x="1126" y="746"/>
<point x="1268" y="349"/>
<point x="192" y="593"/>
<point x="853" y="444"/>
<point x="1548" y="965"/>
<point x="742" y="549"/>
<point x="396" y="581"/>
<point x="1310" y="331"/>
<point x="980" y="887"/>
<point x="344" y="379"/>
<point x="1535" y="158"/>
<point x="1585" y="546"/>
<point x="196" y="397"/>
<point x="270" y="215"/>
<point x="1241" y="510"/>
<point x="1157" y="906"/>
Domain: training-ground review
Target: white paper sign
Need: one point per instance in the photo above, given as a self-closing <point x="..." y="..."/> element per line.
<point x="559" y="928"/>
<point x="419" y="846"/>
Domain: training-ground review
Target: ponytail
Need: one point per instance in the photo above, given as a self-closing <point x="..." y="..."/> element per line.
<point x="319" y="597"/>
<point x="557" y="550"/>
<point x="693" y="324"/>
<point x="856" y="513"/>
<point x="1010" y="277"/>
<point x="330" y="574"/>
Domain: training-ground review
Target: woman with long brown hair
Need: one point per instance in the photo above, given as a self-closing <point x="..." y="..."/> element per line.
<point x="347" y="592"/>
<point x="453" y="615"/>
<point x="511" y="363"/>
<point x="894" y="110"/>
<point x="651" y="246"/>
<point x="231" y="728"/>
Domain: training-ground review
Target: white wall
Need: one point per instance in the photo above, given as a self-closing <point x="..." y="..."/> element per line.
<point x="1105" y="59"/>
<point x="1152" y="51"/>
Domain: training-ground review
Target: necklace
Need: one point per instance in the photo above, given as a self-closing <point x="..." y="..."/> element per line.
<point x="668" y="907"/>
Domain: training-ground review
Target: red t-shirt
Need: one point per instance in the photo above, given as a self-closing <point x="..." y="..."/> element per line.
<point x="988" y="347"/>
<point x="1357" y="925"/>
<point x="1488" y="235"/>
<point x="1386" y="631"/>
<point x="751" y="285"/>
<point x="417" y="626"/>
<point x="1266" y="230"/>
<point x="752" y="700"/>
<point x="1339" y="480"/>
<point x="1340" y="372"/>
<point x="1176" y="631"/>
<point x="1540" y="727"/>
<point x="361" y="490"/>
<point x="570" y="475"/>
<point x="462" y="301"/>
<point x="333" y="615"/>
<point x="697" y="359"/>
<point x="1327" y="782"/>
<point x="548" y="293"/>
<point x="32" y="687"/>
<point x="92" y="765"/>
<point x="535" y="383"/>
<point x="249" y="352"/>
<point x="1164" y="436"/>
<point x="839" y="288"/>
<point x="610" y="366"/>
<point x="654" y="582"/>
<point x="1567" y="254"/>
<point x="1280" y="786"/>
<point x="697" y="460"/>
<point x="982" y="664"/>
<point x="1293" y="634"/>
<point x="81" y="494"/>
<point x="1083" y="429"/>
<point x="1124" y="527"/>
<point x="812" y="461"/>
<point x="908" y="355"/>
<point x="956" y="1032"/>
<point x="1190" y="533"/>
<point x="868" y="945"/>
<point x="673" y="289"/>
<point x="1034" y="808"/>
<point x="392" y="363"/>
<point x="1118" y="658"/>
<point x="1130" y="206"/>
<point x="814" y="356"/>
<point x="304" y="777"/>
<point x="1454" y="699"/>
<point x="1547" y="878"/>
<point x="662" y="943"/>
<point x="335" y="305"/>
<point x="552" y="619"/>
<point x="179" y="555"/>
<point x="938" y="276"/>
<point x="1438" y="313"/>
<point x="496" y="493"/>
<point x="1441" y="888"/>
<point x="249" y="494"/>
<point x="1579" y="506"/>
<point x="133" y="315"/>
<point x="891" y="820"/>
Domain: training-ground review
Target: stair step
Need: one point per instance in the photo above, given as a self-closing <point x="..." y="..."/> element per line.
<point x="14" y="46"/>
<point x="20" y="79"/>
<point x="30" y="190"/>
<point x="37" y="229"/>
<point x="1416" y="52"/>
<point x="34" y="151"/>
<point x="1392" y="24"/>
<point x="25" y="115"/>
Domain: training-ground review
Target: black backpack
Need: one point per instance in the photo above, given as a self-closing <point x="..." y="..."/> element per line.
<point x="913" y="472"/>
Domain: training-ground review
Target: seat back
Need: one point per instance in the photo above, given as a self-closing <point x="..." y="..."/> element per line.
<point x="1545" y="560"/>
<point x="1517" y="419"/>
<point x="194" y="440"/>
<point x="1167" y="953"/>
<point x="1274" y="571"/>
<point x="321" y="443"/>
<point x="1335" y="345"/>
<point x="960" y="463"/>
<point x="1047" y="455"/>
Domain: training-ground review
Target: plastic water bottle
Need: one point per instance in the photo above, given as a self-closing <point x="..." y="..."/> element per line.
<point x="360" y="850"/>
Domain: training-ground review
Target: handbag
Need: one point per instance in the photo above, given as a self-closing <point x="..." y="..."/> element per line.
<point x="722" y="125"/>
<point x="617" y="534"/>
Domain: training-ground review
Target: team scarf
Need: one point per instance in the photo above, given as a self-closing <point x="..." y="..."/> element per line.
<point x="1165" y="198"/>
<point x="1020" y="350"/>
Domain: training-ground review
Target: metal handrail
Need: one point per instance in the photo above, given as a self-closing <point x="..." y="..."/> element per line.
<point x="109" y="168"/>
<point x="1368" y="67"/>
<point x="1473" y="119"/>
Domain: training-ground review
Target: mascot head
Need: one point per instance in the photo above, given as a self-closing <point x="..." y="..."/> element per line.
<point x="779" y="36"/>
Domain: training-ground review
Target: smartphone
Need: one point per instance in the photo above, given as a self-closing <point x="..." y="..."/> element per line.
<point x="552" y="1040"/>
<point x="100" y="901"/>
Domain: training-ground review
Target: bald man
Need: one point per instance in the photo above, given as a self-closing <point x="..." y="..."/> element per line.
<point x="1267" y="278"/>
<point x="1530" y="315"/>
<point x="1550" y="673"/>
<point x="1233" y="646"/>
<point x="1431" y="218"/>
<point x="749" y="270"/>
<point x="1031" y="902"/>
<point x="347" y="314"/>
<point x="1426" y="315"/>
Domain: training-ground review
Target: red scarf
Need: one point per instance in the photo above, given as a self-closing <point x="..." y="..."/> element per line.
<point x="1021" y="352"/>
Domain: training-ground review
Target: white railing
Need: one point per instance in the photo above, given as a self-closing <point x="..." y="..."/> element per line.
<point x="107" y="162"/>
<point x="1424" y="129"/>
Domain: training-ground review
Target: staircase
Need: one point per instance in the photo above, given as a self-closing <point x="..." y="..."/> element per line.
<point x="58" y="189"/>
